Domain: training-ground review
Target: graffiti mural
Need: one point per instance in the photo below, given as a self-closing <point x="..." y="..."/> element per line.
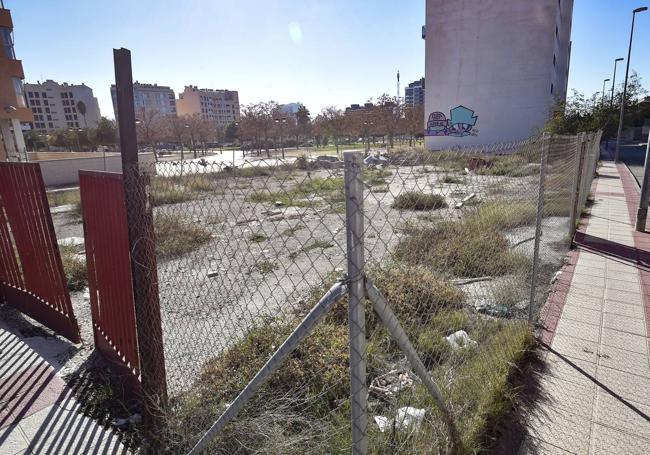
<point x="461" y="122"/>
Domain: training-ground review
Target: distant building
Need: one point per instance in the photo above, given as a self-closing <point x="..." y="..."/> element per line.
<point x="289" y="108"/>
<point x="414" y="93"/>
<point x="149" y="97"/>
<point x="359" y="107"/>
<point x="495" y="69"/>
<point x="13" y="106"/>
<point x="222" y="106"/>
<point x="56" y="106"/>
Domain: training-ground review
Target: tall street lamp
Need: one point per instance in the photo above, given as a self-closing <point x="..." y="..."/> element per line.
<point x="281" y="122"/>
<point x="611" y="101"/>
<point x="627" y="72"/>
<point x="603" y="98"/>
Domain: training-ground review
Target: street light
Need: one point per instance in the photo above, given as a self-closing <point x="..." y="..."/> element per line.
<point x="603" y="98"/>
<point x="233" y="150"/>
<point x="611" y="101"/>
<point x="627" y="71"/>
<point x="367" y="125"/>
<point x="281" y="122"/>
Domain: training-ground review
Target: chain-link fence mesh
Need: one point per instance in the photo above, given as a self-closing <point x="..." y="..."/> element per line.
<point x="449" y="238"/>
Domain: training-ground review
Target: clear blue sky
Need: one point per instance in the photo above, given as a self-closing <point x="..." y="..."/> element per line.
<point x="318" y="52"/>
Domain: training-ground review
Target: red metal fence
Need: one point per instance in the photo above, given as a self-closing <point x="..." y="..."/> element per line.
<point x="109" y="270"/>
<point x="31" y="272"/>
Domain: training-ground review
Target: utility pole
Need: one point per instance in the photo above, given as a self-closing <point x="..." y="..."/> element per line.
<point x="642" y="212"/>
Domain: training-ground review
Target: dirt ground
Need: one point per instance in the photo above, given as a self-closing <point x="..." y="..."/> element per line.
<point x="263" y="258"/>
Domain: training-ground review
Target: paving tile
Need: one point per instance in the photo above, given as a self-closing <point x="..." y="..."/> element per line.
<point x="575" y="348"/>
<point x="560" y="428"/>
<point x="624" y="309"/>
<point x="581" y="314"/>
<point x="575" y="397"/>
<point x="624" y="323"/>
<point x="13" y="440"/>
<point x="609" y="441"/>
<point x="584" y="290"/>
<point x="589" y="270"/>
<point x="628" y="385"/>
<point x="622" y="296"/>
<point x="619" y="414"/>
<point x="624" y="340"/>
<point x="577" y="329"/>
<point x="534" y="446"/>
<point x="623" y="360"/>
<point x="629" y="285"/>
<point x="590" y="303"/>
<point x="569" y="369"/>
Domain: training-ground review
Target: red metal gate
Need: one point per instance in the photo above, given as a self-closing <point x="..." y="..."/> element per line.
<point x="31" y="272"/>
<point x="109" y="271"/>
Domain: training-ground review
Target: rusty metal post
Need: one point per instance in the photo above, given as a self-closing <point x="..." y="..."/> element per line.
<point x="139" y="215"/>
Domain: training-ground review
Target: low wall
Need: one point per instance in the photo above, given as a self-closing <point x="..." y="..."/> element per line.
<point x="65" y="172"/>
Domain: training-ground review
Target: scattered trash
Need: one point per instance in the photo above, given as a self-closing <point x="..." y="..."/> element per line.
<point x="212" y="273"/>
<point x="465" y="200"/>
<point x="71" y="241"/>
<point x="460" y="339"/>
<point x="556" y="276"/>
<point x="375" y="160"/>
<point x="131" y="420"/>
<point x="338" y="269"/>
<point x="406" y="417"/>
<point x="466" y="171"/>
<point x="86" y="295"/>
<point x="491" y="309"/>
<point x="389" y="384"/>
<point x="279" y="203"/>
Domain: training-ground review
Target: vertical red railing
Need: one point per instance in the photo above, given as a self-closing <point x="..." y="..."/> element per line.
<point x="109" y="270"/>
<point x="31" y="272"/>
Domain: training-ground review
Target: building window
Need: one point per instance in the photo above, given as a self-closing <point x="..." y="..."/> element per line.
<point x="8" y="43"/>
<point x="551" y="89"/>
<point x="20" y="92"/>
<point x="556" y="31"/>
<point x="49" y="117"/>
<point x="47" y="110"/>
<point x="553" y="59"/>
<point x="45" y="103"/>
<point x="44" y="95"/>
<point x="30" y="94"/>
<point x="70" y="94"/>
<point x="50" y="125"/>
<point x="37" y="95"/>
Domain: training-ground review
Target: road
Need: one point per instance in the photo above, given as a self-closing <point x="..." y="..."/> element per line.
<point x="633" y="155"/>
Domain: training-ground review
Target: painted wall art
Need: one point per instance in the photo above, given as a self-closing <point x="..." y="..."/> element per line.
<point x="461" y="122"/>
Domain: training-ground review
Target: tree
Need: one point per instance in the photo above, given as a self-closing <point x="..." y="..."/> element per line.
<point x="231" y="133"/>
<point x="105" y="133"/>
<point x="81" y="107"/>
<point x="175" y="131"/>
<point x="303" y="123"/>
<point x="150" y="128"/>
<point x="332" y="123"/>
<point x="387" y="114"/>
<point x="414" y="122"/>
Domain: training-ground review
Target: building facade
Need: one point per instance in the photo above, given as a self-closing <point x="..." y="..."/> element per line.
<point x="149" y="97"/>
<point x="58" y="106"/>
<point x="13" y="105"/>
<point x="495" y="69"/>
<point x="221" y="106"/>
<point x="414" y="93"/>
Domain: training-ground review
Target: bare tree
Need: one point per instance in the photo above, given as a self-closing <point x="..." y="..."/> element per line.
<point x="176" y="131"/>
<point x="150" y="128"/>
<point x="414" y="122"/>
<point x="333" y="123"/>
<point x="387" y="115"/>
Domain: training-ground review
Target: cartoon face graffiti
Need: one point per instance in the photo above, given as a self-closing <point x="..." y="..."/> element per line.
<point x="460" y="123"/>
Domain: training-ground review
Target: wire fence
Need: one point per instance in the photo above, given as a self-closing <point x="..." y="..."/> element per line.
<point x="458" y="247"/>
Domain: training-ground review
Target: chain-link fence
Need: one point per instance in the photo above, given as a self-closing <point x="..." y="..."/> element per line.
<point x="460" y="244"/>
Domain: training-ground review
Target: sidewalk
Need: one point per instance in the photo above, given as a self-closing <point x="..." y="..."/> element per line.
<point x="38" y="414"/>
<point x="594" y="395"/>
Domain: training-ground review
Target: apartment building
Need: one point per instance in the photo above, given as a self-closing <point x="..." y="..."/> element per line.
<point x="495" y="69"/>
<point x="62" y="106"/>
<point x="149" y="97"/>
<point x="13" y="106"/>
<point x="222" y="106"/>
<point x="414" y="93"/>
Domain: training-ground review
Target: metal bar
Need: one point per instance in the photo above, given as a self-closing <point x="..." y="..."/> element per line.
<point x="356" y="306"/>
<point x="575" y="195"/>
<point x="139" y="217"/>
<point x="642" y="212"/>
<point x="390" y="321"/>
<point x="335" y="293"/>
<point x="546" y="143"/>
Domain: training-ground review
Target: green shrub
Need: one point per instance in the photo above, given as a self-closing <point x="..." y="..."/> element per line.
<point x="176" y="235"/>
<point x="74" y="267"/>
<point x="414" y="200"/>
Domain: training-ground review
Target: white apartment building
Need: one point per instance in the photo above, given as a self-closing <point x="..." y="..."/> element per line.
<point x="149" y="97"/>
<point x="222" y="106"/>
<point x="56" y="106"/>
<point x="494" y="68"/>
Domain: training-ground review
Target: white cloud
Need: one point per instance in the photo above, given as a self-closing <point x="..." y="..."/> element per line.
<point x="295" y="32"/>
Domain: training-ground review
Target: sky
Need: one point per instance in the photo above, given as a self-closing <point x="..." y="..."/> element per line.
<point x="318" y="52"/>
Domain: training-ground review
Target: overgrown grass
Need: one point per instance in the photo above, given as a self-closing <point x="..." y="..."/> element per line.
<point x="311" y="192"/>
<point x="258" y="237"/>
<point x="290" y="232"/>
<point x="176" y="235"/>
<point x="167" y="191"/>
<point x="74" y="267"/>
<point x="450" y="178"/>
<point x="265" y="267"/>
<point x="415" y="200"/>
<point x="316" y="244"/>
<point x="69" y="197"/>
<point x="507" y="165"/>
<point x="304" y="407"/>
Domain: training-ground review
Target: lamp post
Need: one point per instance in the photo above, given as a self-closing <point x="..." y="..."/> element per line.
<point x="367" y="124"/>
<point x="233" y="150"/>
<point x="603" y="98"/>
<point x="611" y="101"/>
<point x="627" y="72"/>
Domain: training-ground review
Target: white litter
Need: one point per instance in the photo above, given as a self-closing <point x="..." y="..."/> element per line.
<point x="71" y="241"/>
<point x="556" y="276"/>
<point x="460" y="339"/>
<point x="406" y="417"/>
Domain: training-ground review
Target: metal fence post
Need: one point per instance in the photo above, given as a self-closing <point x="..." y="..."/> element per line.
<point x="575" y="194"/>
<point x="139" y="217"/>
<point x="356" y="297"/>
<point x="546" y="144"/>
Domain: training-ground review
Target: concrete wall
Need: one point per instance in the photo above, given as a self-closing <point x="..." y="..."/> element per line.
<point x="492" y="61"/>
<point x="65" y="172"/>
